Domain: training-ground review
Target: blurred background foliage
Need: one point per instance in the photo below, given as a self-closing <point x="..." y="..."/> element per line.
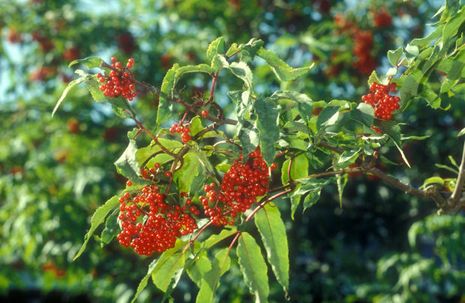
<point x="381" y="246"/>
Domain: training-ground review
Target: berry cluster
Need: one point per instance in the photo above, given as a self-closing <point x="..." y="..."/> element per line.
<point x="365" y="63"/>
<point x="120" y="81"/>
<point x="149" y="224"/>
<point x="182" y="129"/>
<point x="382" y="18"/>
<point x="241" y="186"/>
<point x="383" y="103"/>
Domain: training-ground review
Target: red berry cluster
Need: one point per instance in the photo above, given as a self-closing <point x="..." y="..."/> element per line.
<point x="365" y="62"/>
<point x="383" y="103"/>
<point x="241" y="186"/>
<point x="182" y="129"/>
<point x="120" y="81"/>
<point x="382" y="18"/>
<point x="149" y="224"/>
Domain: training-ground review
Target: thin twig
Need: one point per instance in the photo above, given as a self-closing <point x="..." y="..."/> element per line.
<point x="457" y="193"/>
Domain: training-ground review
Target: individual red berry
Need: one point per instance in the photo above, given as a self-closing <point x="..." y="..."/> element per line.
<point x="168" y="174"/>
<point x="204" y="114"/>
<point x="128" y="183"/>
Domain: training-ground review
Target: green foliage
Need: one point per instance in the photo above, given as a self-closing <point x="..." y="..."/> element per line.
<point x="319" y="147"/>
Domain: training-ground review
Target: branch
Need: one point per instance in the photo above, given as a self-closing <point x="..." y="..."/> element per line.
<point x="457" y="194"/>
<point x="396" y="183"/>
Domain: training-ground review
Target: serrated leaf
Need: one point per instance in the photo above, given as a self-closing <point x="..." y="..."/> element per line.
<point x="281" y="69"/>
<point x="253" y="267"/>
<point x="268" y="128"/>
<point x="89" y="62"/>
<point x="273" y="232"/>
<point x="373" y="78"/>
<point x="96" y="220"/>
<point x="215" y="47"/>
<point x="66" y="91"/>
<point x="220" y="265"/>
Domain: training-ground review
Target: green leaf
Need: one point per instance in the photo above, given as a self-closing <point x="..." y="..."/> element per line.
<point x="209" y="284"/>
<point x="433" y="180"/>
<point x="215" y="47"/>
<point x="111" y="228"/>
<point x="282" y="70"/>
<point x="96" y="220"/>
<point x="347" y="157"/>
<point x="242" y="71"/>
<point x="188" y="172"/>
<point x="201" y="265"/>
<point x="299" y="168"/>
<point x="341" y="182"/>
<point x="304" y="103"/>
<point x="249" y="140"/>
<point x="189" y="69"/>
<point x="395" y="55"/>
<point x="127" y="165"/>
<point x="373" y="78"/>
<point x="165" y="106"/>
<point x="216" y="238"/>
<point x="95" y="92"/>
<point x="268" y="128"/>
<point x="273" y="232"/>
<point x="89" y="62"/>
<point x="66" y="91"/>
<point x="168" y="269"/>
<point x="461" y="133"/>
<point x="253" y="267"/>
<point x="328" y="117"/>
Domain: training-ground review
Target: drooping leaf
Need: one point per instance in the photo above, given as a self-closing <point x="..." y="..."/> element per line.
<point x="165" y="106"/>
<point x="111" y="228"/>
<point x="299" y="168"/>
<point x="168" y="268"/>
<point x="273" y="232"/>
<point x="201" y="265"/>
<point x="66" y="91"/>
<point x="267" y="125"/>
<point x="96" y="220"/>
<point x="253" y="267"/>
<point x="220" y="264"/>
<point x="282" y="70"/>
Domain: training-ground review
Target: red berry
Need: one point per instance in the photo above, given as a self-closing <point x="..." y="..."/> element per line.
<point x="383" y="103"/>
<point x="204" y="114"/>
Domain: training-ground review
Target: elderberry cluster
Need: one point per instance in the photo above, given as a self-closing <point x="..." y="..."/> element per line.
<point x="383" y="103"/>
<point x="149" y="224"/>
<point x="239" y="189"/>
<point x="184" y="130"/>
<point x="120" y="81"/>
